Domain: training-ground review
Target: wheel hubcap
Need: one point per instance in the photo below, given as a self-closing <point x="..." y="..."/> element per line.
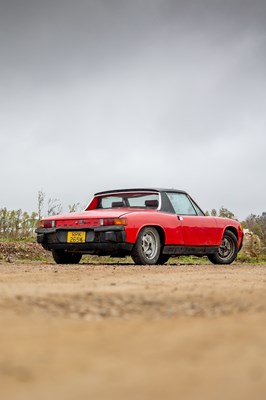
<point x="149" y="245"/>
<point x="226" y="249"/>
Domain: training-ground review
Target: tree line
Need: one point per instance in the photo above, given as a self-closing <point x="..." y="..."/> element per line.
<point x="17" y="224"/>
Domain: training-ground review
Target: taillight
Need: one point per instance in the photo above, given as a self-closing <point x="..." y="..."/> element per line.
<point x="113" y="221"/>
<point x="49" y="223"/>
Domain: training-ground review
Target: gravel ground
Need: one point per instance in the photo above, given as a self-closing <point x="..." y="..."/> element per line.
<point x="129" y="332"/>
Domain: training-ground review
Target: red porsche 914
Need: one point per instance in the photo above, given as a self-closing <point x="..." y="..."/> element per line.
<point x="150" y="225"/>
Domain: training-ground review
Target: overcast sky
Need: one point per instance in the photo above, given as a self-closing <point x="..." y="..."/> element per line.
<point x="103" y="94"/>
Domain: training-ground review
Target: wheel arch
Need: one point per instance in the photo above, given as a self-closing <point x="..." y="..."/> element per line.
<point x="159" y="229"/>
<point x="231" y="229"/>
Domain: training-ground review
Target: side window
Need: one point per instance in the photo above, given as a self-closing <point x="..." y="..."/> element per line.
<point x="181" y="204"/>
<point x="199" y="211"/>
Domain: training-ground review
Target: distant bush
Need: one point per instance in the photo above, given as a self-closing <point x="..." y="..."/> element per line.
<point x="16" y="224"/>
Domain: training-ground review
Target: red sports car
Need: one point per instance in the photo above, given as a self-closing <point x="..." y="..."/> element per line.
<point x="150" y="225"/>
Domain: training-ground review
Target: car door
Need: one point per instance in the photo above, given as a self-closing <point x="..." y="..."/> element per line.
<point x="197" y="229"/>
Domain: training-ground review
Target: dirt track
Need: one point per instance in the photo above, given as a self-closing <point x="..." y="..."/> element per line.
<point x="126" y="332"/>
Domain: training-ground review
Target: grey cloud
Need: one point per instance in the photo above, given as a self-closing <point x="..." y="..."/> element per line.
<point x="100" y="94"/>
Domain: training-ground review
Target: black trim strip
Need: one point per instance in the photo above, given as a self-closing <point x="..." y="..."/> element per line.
<point x="109" y="228"/>
<point x="45" y="230"/>
<point x="90" y="248"/>
<point x="189" y="250"/>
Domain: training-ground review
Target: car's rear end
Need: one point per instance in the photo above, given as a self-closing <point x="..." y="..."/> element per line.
<point x="92" y="232"/>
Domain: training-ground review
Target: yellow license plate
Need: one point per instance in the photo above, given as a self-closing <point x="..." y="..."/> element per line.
<point x="76" y="237"/>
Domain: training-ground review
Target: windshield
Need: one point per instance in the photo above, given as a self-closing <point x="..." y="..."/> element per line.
<point x="130" y="200"/>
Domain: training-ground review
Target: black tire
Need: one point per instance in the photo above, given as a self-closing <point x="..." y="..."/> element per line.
<point x="227" y="252"/>
<point x="62" y="257"/>
<point x="147" y="248"/>
<point x="163" y="258"/>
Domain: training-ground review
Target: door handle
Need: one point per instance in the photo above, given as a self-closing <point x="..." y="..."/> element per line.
<point x="180" y="218"/>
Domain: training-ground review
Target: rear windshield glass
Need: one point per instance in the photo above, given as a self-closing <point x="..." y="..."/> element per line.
<point x="132" y="200"/>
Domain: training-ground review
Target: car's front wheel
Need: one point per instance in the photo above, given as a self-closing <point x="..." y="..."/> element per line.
<point x="62" y="257"/>
<point x="147" y="248"/>
<point x="227" y="252"/>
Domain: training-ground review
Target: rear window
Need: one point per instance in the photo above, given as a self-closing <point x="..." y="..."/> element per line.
<point x="130" y="200"/>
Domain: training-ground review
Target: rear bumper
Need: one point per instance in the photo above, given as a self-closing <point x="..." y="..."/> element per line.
<point x="109" y="240"/>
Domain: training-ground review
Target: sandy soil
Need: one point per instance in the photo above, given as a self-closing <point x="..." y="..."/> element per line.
<point x="126" y="332"/>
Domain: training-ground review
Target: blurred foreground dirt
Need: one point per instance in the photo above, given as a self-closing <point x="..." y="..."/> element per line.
<point x="126" y="332"/>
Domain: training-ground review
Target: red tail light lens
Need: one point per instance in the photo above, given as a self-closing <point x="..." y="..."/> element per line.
<point x="47" y="223"/>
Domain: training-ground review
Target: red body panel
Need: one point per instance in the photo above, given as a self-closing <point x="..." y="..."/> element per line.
<point x="168" y="223"/>
<point x="200" y="231"/>
<point x="189" y="231"/>
<point x="178" y="230"/>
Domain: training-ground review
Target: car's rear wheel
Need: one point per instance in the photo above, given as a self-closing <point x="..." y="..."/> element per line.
<point x="227" y="252"/>
<point x="147" y="248"/>
<point x="62" y="257"/>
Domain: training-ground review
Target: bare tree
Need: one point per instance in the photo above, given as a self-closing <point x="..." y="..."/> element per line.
<point x="74" y="207"/>
<point x="41" y="197"/>
<point x="54" y="207"/>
